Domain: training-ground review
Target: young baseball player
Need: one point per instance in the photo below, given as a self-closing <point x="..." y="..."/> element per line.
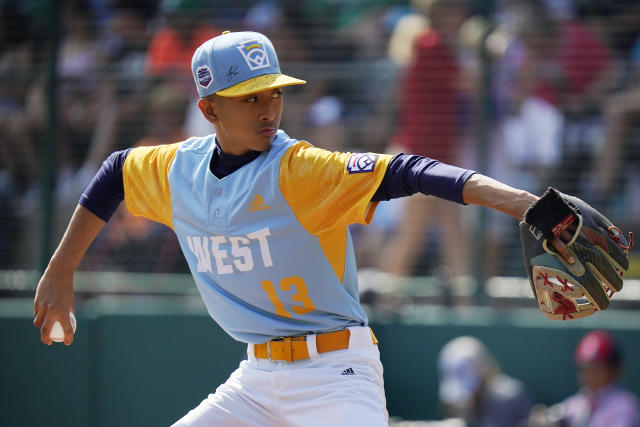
<point x="262" y="219"/>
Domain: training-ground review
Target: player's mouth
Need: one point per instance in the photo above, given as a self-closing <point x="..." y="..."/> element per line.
<point x="269" y="131"/>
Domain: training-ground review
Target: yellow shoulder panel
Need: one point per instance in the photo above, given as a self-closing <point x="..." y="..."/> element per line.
<point x="146" y="182"/>
<point x="327" y="195"/>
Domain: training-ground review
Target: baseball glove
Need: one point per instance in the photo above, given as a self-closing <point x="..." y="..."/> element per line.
<point x="572" y="291"/>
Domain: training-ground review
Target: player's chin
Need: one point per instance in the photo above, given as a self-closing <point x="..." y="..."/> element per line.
<point x="264" y="142"/>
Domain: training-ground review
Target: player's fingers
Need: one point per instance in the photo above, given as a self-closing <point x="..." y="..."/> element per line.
<point x="45" y="332"/>
<point x="563" y="250"/>
<point x="39" y="316"/>
<point x="68" y="339"/>
<point x="68" y="332"/>
<point x="566" y="236"/>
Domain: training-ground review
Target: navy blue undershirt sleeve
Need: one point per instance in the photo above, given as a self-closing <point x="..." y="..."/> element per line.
<point x="106" y="190"/>
<point x="409" y="174"/>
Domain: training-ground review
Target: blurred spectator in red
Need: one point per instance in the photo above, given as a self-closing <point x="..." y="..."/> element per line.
<point x="584" y="59"/>
<point x="429" y="118"/>
<point x="601" y="401"/>
<point x="187" y="24"/>
<point x="185" y="28"/>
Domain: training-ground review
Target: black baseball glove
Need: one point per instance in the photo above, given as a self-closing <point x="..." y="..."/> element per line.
<point x="572" y="291"/>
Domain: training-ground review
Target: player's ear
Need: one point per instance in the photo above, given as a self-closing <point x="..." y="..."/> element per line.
<point x="208" y="109"/>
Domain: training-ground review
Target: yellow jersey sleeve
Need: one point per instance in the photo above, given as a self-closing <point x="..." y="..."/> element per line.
<point x="326" y="189"/>
<point x="146" y="182"/>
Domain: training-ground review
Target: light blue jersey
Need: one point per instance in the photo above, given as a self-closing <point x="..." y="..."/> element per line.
<point x="268" y="245"/>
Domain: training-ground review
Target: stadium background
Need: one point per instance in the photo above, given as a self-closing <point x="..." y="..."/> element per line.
<point x="82" y="78"/>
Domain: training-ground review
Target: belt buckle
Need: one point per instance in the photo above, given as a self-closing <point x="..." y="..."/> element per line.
<point x="269" y="349"/>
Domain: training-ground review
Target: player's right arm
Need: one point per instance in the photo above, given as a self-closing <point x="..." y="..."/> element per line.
<point x="54" y="295"/>
<point x="141" y="175"/>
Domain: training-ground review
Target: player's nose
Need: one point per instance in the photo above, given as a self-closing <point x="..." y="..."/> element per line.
<point x="267" y="112"/>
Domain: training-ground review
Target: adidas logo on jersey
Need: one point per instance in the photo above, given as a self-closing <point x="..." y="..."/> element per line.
<point x="348" y="371"/>
<point x="258" y="204"/>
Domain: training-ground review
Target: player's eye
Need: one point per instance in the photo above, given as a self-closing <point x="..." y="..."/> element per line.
<point x="252" y="99"/>
<point x="276" y="94"/>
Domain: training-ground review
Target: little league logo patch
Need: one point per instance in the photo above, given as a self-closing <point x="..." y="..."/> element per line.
<point x="254" y="54"/>
<point x="204" y="76"/>
<point x="362" y="162"/>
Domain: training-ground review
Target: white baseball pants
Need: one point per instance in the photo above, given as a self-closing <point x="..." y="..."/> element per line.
<point x="338" y="388"/>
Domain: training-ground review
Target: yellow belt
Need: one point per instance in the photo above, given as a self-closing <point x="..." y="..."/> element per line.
<point x="289" y="349"/>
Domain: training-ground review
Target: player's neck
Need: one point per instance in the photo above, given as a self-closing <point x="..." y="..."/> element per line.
<point x="223" y="164"/>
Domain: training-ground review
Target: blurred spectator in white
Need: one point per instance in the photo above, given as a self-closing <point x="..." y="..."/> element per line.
<point x="325" y="123"/>
<point x="429" y="125"/>
<point x="585" y="74"/>
<point x="407" y="28"/>
<point x="601" y="401"/>
<point x="550" y="73"/>
<point x="473" y="388"/>
<point x="526" y="142"/>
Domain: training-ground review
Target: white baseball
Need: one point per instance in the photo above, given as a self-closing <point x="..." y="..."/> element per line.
<point x="57" y="334"/>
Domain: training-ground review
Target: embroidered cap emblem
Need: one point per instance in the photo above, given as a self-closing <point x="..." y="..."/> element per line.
<point x="255" y="54"/>
<point x="204" y="76"/>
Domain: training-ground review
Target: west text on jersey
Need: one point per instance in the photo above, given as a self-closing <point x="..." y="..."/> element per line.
<point x="230" y="253"/>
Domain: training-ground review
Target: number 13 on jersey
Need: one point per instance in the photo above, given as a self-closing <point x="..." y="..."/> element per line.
<point x="301" y="296"/>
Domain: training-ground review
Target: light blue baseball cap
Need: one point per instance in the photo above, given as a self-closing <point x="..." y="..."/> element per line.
<point x="236" y="64"/>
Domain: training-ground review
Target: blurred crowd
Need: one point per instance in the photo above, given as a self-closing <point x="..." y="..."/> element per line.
<point x="532" y="92"/>
<point x="475" y="391"/>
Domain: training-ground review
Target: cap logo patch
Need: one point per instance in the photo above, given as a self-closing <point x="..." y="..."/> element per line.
<point x="254" y="53"/>
<point x="362" y="162"/>
<point x="204" y="76"/>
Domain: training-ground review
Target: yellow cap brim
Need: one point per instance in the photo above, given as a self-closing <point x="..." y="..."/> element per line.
<point x="260" y="83"/>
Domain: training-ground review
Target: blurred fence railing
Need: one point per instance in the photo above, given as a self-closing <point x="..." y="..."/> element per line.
<point x="377" y="289"/>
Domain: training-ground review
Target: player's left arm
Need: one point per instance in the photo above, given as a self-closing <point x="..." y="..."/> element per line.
<point x="485" y="191"/>
<point x="410" y="174"/>
<point x="572" y="252"/>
